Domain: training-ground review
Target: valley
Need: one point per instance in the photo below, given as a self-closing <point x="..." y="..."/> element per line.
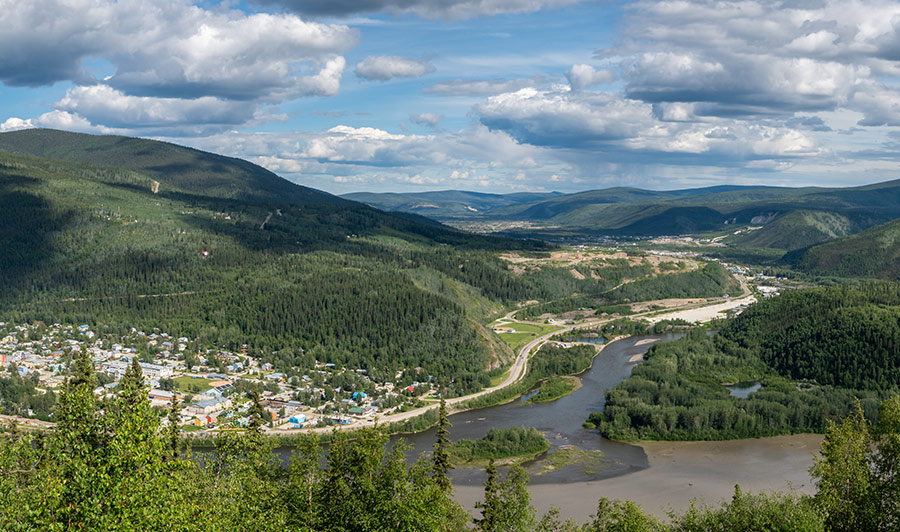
<point x="296" y="316"/>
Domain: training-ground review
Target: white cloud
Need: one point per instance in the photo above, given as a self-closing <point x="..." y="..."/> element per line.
<point x="426" y="119"/>
<point x="614" y="126"/>
<point x="583" y="76"/>
<point x="385" y="67"/>
<point x="169" y="48"/>
<point x="448" y="9"/>
<point x="105" y="105"/>
<point x="56" y="120"/>
<point x="474" y="87"/>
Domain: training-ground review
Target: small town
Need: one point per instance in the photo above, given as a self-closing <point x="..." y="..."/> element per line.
<point x="208" y="382"/>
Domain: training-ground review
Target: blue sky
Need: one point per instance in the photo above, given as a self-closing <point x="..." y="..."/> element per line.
<point x="486" y="95"/>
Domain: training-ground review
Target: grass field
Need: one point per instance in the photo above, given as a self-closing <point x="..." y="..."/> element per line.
<point x="525" y="332"/>
<point x="192" y="385"/>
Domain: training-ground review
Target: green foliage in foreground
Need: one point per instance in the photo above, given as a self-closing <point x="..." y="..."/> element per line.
<point x="110" y="467"/>
<point x="499" y="444"/>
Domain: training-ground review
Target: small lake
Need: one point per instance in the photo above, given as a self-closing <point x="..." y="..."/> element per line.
<point x="743" y="390"/>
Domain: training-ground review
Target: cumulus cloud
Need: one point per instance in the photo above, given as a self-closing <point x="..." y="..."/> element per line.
<point x="384" y="67"/>
<point x="759" y="58"/>
<point x="172" y="61"/>
<point x="475" y="87"/>
<point x="346" y="155"/>
<point x="104" y="105"/>
<point x="167" y="48"/>
<point x="56" y="120"/>
<point x="448" y="9"/>
<point x="426" y="119"/>
<point x="609" y="124"/>
<point x="582" y="76"/>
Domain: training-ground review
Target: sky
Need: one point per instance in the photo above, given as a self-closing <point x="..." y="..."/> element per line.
<point x="484" y="95"/>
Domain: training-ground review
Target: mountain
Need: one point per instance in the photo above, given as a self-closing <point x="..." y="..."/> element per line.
<point x="445" y="204"/>
<point x="798" y="229"/>
<point x="781" y="218"/>
<point x="874" y="252"/>
<point x="88" y="238"/>
<point x="175" y="168"/>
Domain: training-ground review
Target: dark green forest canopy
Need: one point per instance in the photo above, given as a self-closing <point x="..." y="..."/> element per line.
<point x="813" y="351"/>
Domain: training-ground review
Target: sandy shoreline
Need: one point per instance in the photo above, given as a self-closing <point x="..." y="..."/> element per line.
<point x="680" y="472"/>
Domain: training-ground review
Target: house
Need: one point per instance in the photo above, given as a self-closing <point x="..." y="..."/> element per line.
<point x="161" y="395"/>
<point x="362" y="411"/>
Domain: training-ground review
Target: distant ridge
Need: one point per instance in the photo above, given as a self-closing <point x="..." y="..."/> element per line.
<point x="780" y="218"/>
<point x="445" y="204"/>
<point x="873" y="253"/>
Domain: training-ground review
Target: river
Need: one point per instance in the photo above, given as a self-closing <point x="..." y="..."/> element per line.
<point x="658" y="476"/>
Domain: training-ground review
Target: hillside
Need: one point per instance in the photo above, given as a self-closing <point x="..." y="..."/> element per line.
<point x="798" y="229"/>
<point x="175" y="168"/>
<point x="334" y="280"/>
<point x="872" y="253"/>
<point x="445" y="204"/>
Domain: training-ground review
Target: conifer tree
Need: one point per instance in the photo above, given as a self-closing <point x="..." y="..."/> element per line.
<point x="489" y="506"/>
<point x="441" y="456"/>
<point x="174" y="418"/>
<point x="256" y="412"/>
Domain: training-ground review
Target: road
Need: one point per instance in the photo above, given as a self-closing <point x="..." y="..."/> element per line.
<point x="692" y="313"/>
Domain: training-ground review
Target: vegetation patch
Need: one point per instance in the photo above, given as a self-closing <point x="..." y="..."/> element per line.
<point x="554" y="388"/>
<point x="505" y="446"/>
<point x="590" y="461"/>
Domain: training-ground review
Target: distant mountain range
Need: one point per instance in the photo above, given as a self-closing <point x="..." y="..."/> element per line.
<point x="782" y="217"/>
<point x="446" y="204"/>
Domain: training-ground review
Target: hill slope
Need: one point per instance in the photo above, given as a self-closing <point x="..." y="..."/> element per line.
<point x="798" y="229"/>
<point x="803" y="357"/>
<point x="872" y="253"/>
<point x="175" y="167"/>
<point x="445" y="204"/>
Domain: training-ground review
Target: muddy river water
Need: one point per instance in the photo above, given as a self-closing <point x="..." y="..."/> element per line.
<point x="658" y="476"/>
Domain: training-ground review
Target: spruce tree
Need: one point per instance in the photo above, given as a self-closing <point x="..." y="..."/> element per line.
<point x="441" y="455"/>
<point x="489" y="507"/>
<point x="174" y="418"/>
<point x="256" y="412"/>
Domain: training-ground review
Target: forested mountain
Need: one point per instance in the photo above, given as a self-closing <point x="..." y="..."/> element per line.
<point x="813" y="352"/>
<point x="98" y="244"/>
<point x="872" y="253"/>
<point x="175" y="168"/>
<point x="798" y="229"/>
<point x="445" y="204"/>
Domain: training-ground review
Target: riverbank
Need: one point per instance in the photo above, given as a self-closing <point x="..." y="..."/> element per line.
<point x="681" y="472"/>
